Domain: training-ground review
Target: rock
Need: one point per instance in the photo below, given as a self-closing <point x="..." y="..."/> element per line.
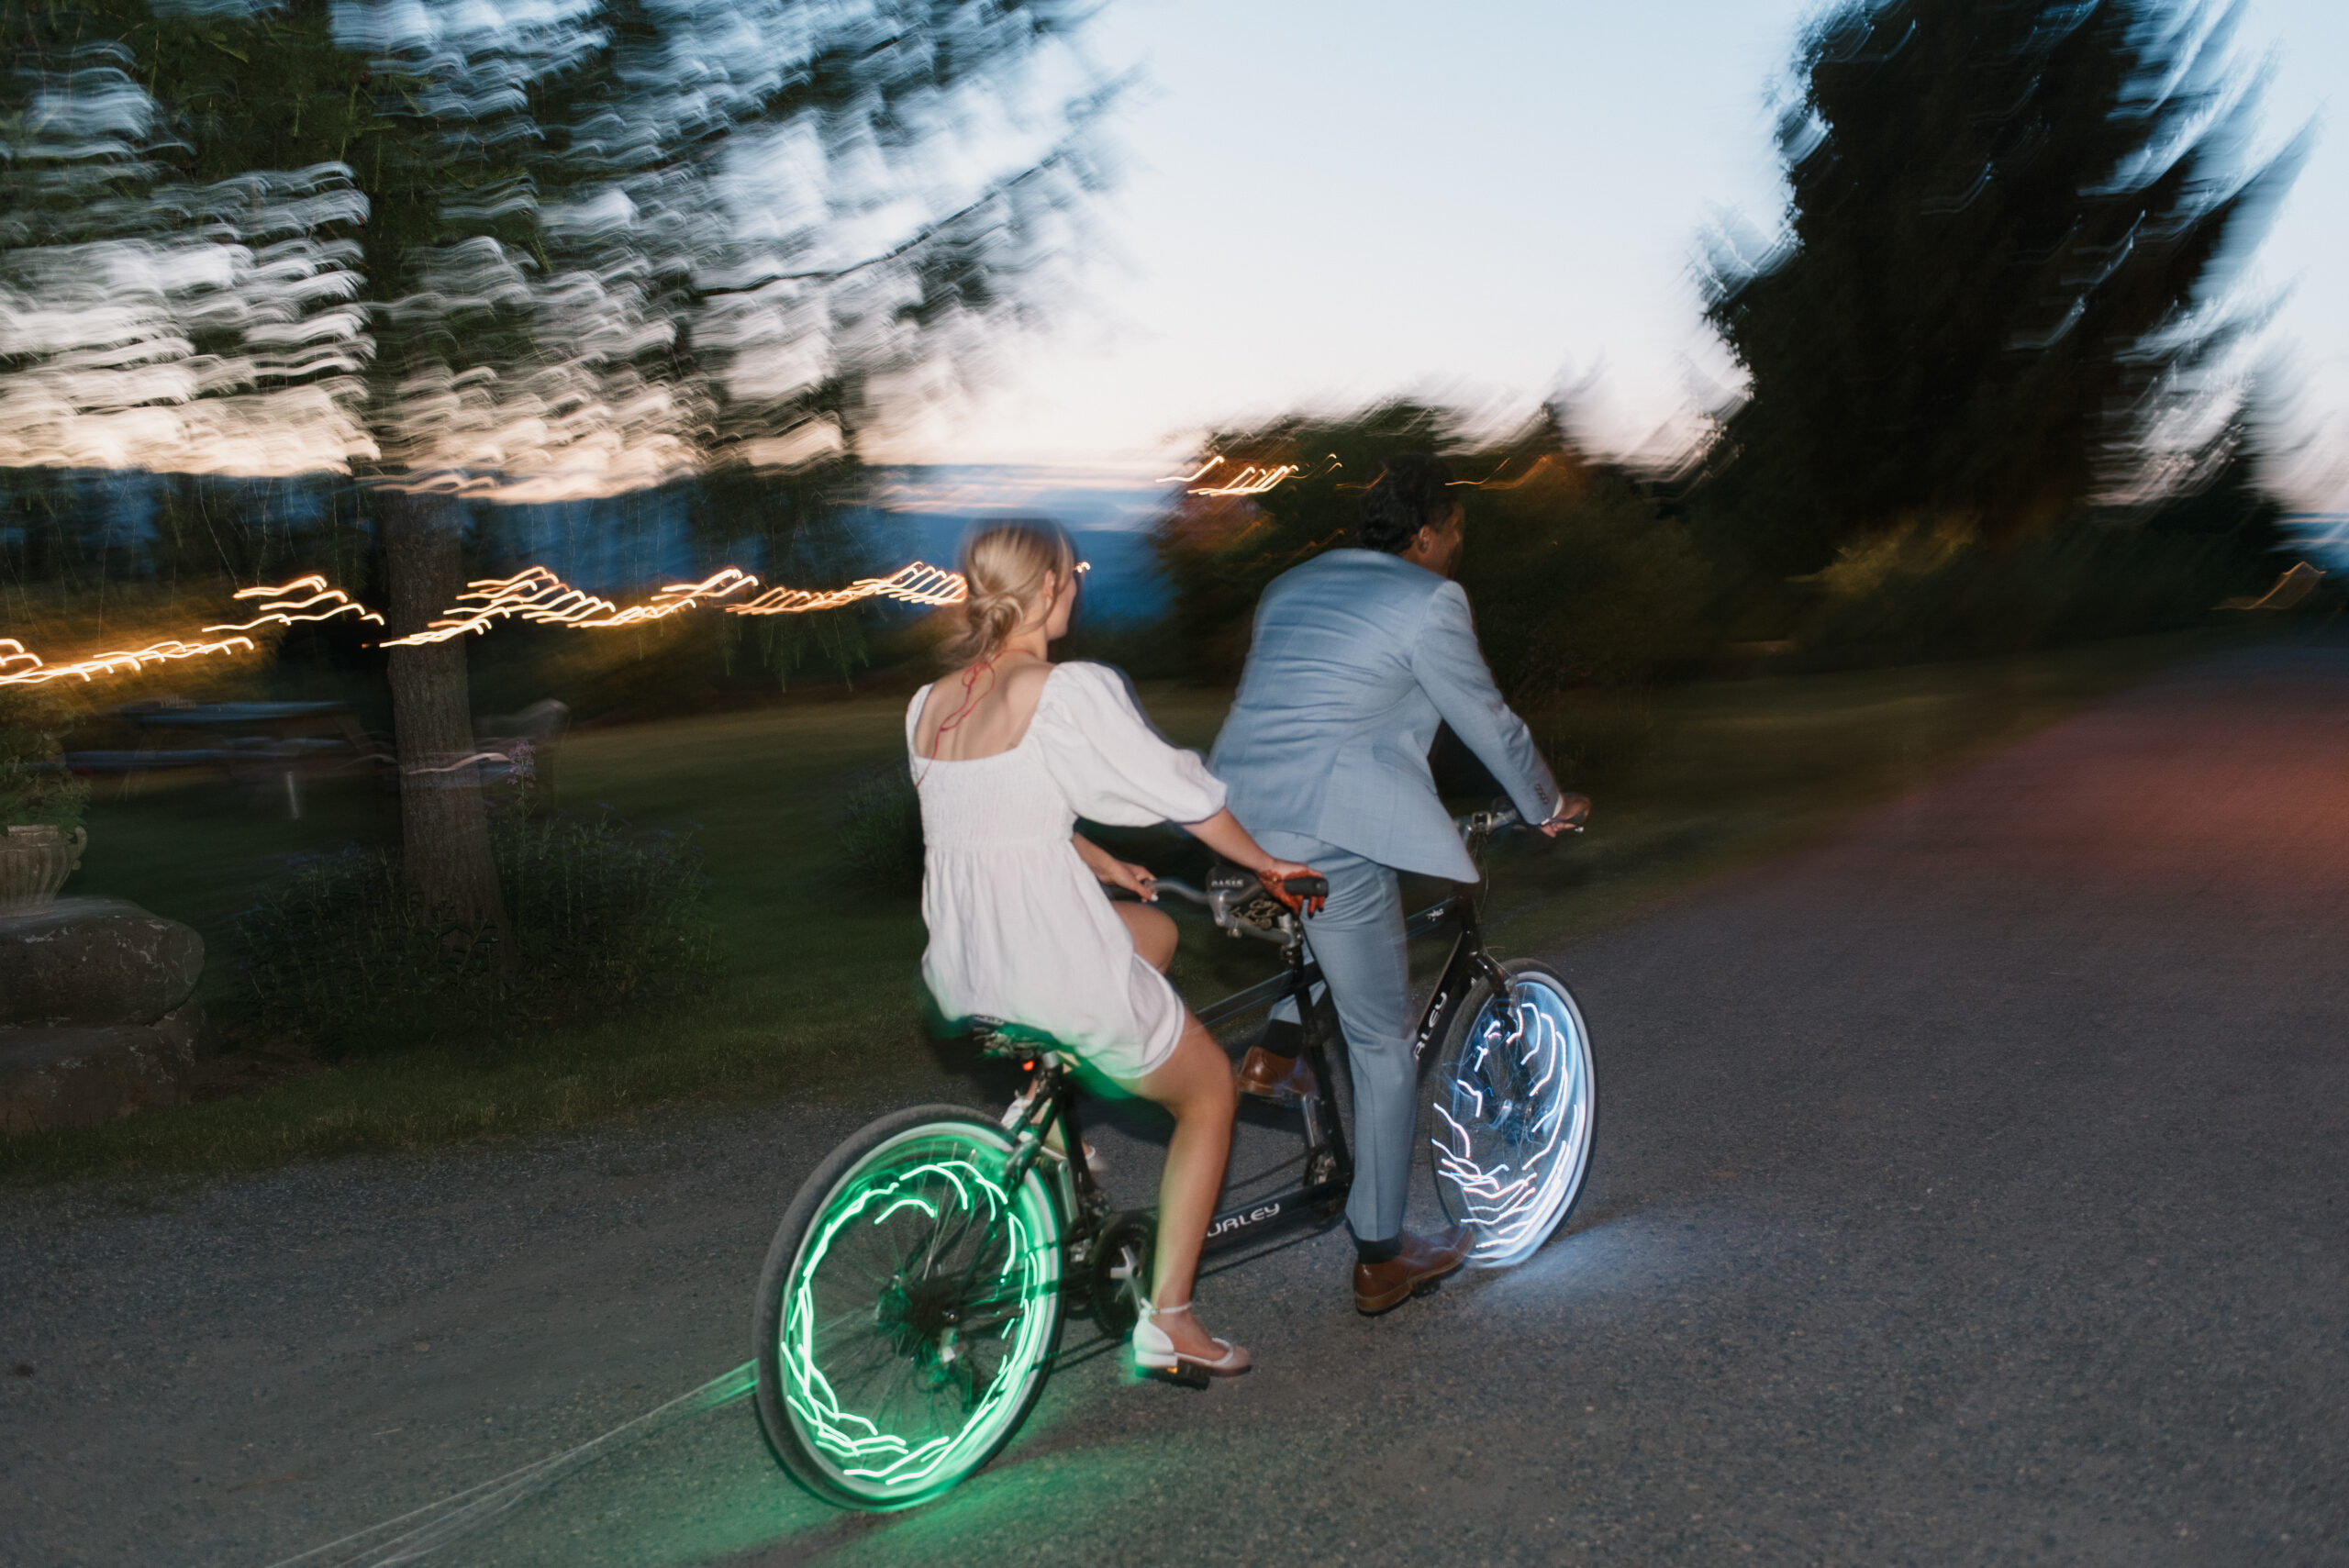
<point x="73" y="1077"/>
<point x="93" y="963"/>
<point x="183" y="1028"/>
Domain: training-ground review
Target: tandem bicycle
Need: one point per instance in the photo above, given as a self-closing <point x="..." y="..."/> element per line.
<point x="912" y="1302"/>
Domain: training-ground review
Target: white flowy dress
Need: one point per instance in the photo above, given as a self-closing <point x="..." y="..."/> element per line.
<point x="1019" y="929"/>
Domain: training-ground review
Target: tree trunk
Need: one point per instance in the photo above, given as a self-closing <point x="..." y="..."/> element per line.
<point x="444" y="827"/>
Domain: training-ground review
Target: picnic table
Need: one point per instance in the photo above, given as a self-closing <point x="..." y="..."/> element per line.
<point x="279" y="738"/>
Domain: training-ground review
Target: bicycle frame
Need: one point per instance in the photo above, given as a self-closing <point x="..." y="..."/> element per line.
<point x="1329" y="1161"/>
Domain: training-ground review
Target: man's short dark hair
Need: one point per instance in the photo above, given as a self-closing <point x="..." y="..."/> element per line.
<point x="1411" y="493"/>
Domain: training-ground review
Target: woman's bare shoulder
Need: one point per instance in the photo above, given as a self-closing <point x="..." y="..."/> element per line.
<point x="1027" y="680"/>
<point x="1018" y="692"/>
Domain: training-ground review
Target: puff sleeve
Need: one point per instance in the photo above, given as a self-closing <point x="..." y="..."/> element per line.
<point x="1112" y="765"/>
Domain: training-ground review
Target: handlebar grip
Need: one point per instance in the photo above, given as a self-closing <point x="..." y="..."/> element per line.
<point x="1307" y="886"/>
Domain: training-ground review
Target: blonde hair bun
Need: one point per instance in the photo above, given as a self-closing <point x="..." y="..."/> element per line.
<point x="1004" y="568"/>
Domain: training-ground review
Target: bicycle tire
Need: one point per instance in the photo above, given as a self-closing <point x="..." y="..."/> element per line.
<point x="908" y="1311"/>
<point x="1516" y="1096"/>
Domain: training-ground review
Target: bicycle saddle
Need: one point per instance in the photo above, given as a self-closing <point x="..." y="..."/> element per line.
<point x="1000" y="1037"/>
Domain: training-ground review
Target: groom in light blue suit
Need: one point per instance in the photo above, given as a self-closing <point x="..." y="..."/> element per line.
<point x="1358" y="656"/>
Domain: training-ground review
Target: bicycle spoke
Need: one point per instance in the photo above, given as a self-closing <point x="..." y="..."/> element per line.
<point x="921" y="1317"/>
<point x="1510" y="1142"/>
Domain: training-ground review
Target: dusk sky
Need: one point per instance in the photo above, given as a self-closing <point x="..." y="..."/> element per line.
<point x="1328" y="202"/>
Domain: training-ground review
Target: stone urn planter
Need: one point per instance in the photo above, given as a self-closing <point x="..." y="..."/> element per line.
<point x="35" y="863"/>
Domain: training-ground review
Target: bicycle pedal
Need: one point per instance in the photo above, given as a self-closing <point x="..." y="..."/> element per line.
<point x="1178" y="1376"/>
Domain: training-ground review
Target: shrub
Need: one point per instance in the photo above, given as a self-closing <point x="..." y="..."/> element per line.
<point x="338" y="956"/>
<point x="35" y="787"/>
<point x="1599" y="736"/>
<point x="880" y="832"/>
<point x="1924" y="592"/>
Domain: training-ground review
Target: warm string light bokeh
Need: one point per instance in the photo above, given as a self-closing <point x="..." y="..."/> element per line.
<point x="303" y="599"/>
<point x="536" y="595"/>
<point x="19" y="666"/>
<point x="1252" y="480"/>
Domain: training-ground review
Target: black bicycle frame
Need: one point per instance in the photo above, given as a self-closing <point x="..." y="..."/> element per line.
<point x="1329" y="1163"/>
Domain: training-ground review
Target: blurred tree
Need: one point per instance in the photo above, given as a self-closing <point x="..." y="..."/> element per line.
<point x="2008" y="223"/>
<point x="1223" y="538"/>
<point x="1574" y="578"/>
<point x="515" y="253"/>
<point x="2218" y="499"/>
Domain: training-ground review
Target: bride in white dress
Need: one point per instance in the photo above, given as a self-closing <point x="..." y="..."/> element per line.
<point x="1008" y="752"/>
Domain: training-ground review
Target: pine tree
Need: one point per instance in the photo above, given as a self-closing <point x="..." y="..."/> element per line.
<point x="511" y="252"/>
<point x="2010" y="222"/>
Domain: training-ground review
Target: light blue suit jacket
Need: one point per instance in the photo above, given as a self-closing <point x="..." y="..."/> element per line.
<point x="1358" y="656"/>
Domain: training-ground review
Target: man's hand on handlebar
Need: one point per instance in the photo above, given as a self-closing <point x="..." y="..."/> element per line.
<point x="1572" y="814"/>
<point x="1301" y="887"/>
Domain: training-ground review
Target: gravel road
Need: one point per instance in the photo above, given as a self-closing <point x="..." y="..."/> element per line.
<point x="1971" y="1188"/>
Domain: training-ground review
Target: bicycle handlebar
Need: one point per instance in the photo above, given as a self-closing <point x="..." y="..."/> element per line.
<point x="1240" y="904"/>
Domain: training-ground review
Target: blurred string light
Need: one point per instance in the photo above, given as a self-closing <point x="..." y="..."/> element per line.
<point x="279" y="607"/>
<point x="540" y="596"/>
<point x="535" y="594"/>
<point x="303" y="599"/>
<point x="1256" y="479"/>
<point x="21" y="667"/>
<point x="1253" y="479"/>
<point x="1493" y="481"/>
<point x="1250" y="481"/>
<point x="917" y="584"/>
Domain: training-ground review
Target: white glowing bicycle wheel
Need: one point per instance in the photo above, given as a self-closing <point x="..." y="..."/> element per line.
<point x="1515" y="1113"/>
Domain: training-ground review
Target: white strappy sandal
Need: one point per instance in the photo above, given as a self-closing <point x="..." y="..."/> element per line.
<point x="1155" y="1351"/>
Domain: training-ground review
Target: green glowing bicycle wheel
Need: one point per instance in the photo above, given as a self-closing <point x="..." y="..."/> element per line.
<point x="909" y="1310"/>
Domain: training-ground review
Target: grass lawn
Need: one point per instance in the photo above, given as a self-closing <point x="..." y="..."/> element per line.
<point x="814" y="992"/>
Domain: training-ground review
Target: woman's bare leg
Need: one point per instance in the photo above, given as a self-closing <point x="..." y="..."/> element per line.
<point x="1153" y="932"/>
<point x="1153" y="936"/>
<point x="1194" y="1083"/>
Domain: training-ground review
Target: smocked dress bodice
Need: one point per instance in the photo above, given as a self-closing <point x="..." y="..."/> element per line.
<point x="1019" y="927"/>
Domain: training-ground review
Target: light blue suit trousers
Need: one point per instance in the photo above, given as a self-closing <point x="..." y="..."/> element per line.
<point x="1358" y="942"/>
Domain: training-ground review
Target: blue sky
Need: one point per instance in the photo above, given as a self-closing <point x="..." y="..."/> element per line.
<point x="1327" y="201"/>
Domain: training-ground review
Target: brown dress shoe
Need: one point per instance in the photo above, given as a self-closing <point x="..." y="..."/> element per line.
<point x="1277" y="1077"/>
<point x="1381" y="1287"/>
